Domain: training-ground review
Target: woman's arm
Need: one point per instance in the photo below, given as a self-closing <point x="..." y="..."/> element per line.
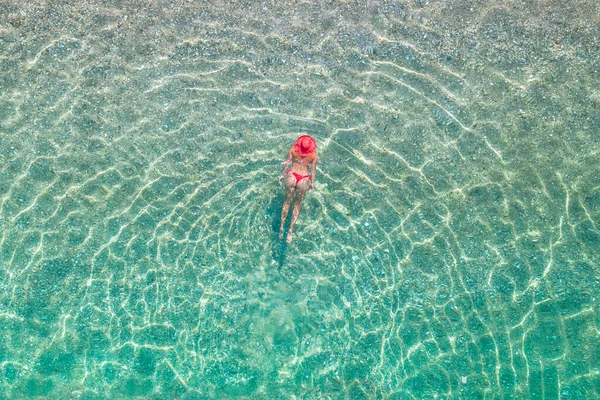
<point x="313" y="171"/>
<point x="286" y="164"/>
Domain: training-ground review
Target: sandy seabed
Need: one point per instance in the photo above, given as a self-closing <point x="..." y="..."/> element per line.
<point x="450" y="249"/>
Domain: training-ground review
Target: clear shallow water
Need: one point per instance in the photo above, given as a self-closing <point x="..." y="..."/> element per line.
<point x="450" y="248"/>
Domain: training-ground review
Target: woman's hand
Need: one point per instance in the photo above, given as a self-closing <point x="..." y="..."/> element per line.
<point x="281" y="179"/>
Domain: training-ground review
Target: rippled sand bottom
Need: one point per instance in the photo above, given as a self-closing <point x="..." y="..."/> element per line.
<point x="450" y="249"/>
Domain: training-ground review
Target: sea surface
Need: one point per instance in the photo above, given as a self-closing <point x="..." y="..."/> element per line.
<point x="450" y="248"/>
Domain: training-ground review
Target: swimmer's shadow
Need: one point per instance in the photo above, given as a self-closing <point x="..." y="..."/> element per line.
<point x="278" y="246"/>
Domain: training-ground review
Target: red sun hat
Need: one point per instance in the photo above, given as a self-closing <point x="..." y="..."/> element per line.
<point x="305" y="145"/>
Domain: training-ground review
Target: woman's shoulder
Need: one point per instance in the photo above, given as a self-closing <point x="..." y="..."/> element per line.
<point x="311" y="157"/>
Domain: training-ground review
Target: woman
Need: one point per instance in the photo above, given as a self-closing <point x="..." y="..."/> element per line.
<point x="297" y="180"/>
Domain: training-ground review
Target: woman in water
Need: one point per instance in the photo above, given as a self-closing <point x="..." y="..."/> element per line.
<point x="297" y="180"/>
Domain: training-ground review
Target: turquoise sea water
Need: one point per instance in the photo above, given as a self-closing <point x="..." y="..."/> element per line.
<point x="450" y="249"/>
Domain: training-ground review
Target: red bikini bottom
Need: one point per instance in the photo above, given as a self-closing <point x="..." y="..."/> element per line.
<point x="299" y="177"/>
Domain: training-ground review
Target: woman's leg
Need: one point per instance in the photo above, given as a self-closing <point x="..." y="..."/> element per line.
<point x="290" y="188"/>
<point x="301" y="188"/>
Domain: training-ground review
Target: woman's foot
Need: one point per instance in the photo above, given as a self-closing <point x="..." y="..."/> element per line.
<point x="289" y="237"/>
<point x="281" y="233"/>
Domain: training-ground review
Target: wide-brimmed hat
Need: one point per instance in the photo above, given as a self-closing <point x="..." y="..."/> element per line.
<point x="305" y="145"/>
